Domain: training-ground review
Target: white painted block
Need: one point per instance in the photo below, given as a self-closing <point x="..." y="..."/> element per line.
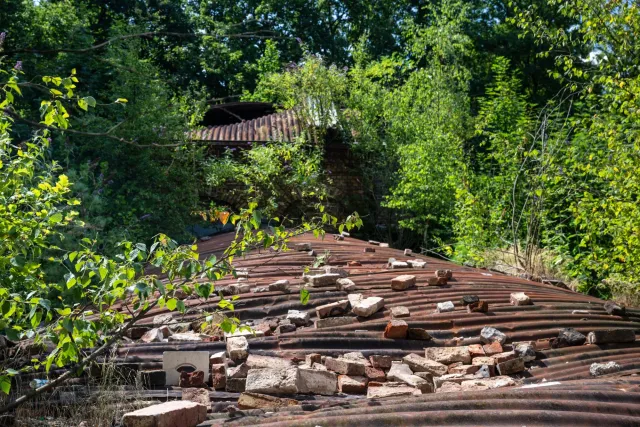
<point x="173" y="361"/>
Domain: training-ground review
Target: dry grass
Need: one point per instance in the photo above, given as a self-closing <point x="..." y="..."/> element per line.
<point x="101" y="401"/>
<point x="542" y="265"/>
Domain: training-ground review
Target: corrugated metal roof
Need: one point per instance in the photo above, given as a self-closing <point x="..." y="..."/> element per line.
<point x="578" y="400"/>
<point x="282" y="126"/>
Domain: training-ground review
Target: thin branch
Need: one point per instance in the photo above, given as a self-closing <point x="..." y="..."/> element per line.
<point x="268" y="35"/>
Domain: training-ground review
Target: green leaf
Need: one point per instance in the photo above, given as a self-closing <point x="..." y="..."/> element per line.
<point x="90" y="100"/>
<point x="304" y="296"/>
<point x="55" y="218"/>
<point x="172" y="303"/>
<point x="5" y="384"/>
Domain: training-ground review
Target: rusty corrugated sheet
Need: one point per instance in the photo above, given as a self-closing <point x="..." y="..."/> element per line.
<point x="578" y="400"/>
<point x="282" y="126"/>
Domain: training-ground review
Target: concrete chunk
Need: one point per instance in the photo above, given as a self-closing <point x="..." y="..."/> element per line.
<point x="255" y="361"/>
<point x="447" y="355"/>
<point x="391" y="390"/>
<point x="421" y="364"/>
<point x="399" y="312"/>
<point x="445" y="307"/>
<point x="272" y="381"/>
<point x="490" y="334"/>
<point x="317" y="382"/>
<point x="520" y="298"/>
<point x="197" y="395"/>
<point x="417" y="263"/>
<point x="279" y="286"/>
<point x="338" y="308"/>
<point x="597" y="369"/>
<point x="320" y="280"/>
<point x="345" y="366"/>
<point x="250" y="400"/>
<point x="345" y="285"/>
<point x="298" y="318"/>
<point x="332" y="322"/>
<point x="525" y="350"/>
<point x="368" y="306"/>
<point x="237" y="348"/>
<point x="175" y="413"/>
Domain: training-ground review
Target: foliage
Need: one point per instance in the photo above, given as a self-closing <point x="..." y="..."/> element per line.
<point x="283" y="178"/>
<point x="83" y="311"/>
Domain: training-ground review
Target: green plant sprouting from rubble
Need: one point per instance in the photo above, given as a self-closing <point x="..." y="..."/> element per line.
<point x="84" y="313"/>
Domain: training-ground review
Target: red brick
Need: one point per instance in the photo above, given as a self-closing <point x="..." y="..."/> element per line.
<point x="396" y="329"/>
<point x="493" y="348"/>
<point x="476" y="350"/>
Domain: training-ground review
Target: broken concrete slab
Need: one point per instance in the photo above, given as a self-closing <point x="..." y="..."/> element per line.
<point x="525" y="350"/>
<point x="421" y="364"/>
<point x="610" y="336"/>
<point x="237" y="348"/>
<point x="356" y="356"/>
<point x="173" y="362"/>
<point x="598" y="369"/>
<point x="249" y="400"/>
<point x="397" y="369"/>
<point x="403" y="282"/>
<point x="327" y="279"/>
<point x="163" y="319"/>
<point x="447" y="355"/>
<point x="520" y="298"/>
<point x="417" y="263"/>
<point x="495" y="382"/>
<point x="399" y="312"/>
<point x="345" y="366"/>
<point x="345" y="285"/>
<point x="490" y="334"/>
<point x="445" y="307"/>
<point x="175" y="413"/>
<point x="317" y="382"/>
<point x="272" y="381"/>
<point x="279" y="286"/>
<point x="338" y="308"/>
<point x="239" y="371"/>
<point x="298" y="318"/>
<point x="368" y="306"/>
<point x="198" y="395"/>
<point x="391" y="390"/>
<point x="332" y="322"/>
<point x="399" y="264"/>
